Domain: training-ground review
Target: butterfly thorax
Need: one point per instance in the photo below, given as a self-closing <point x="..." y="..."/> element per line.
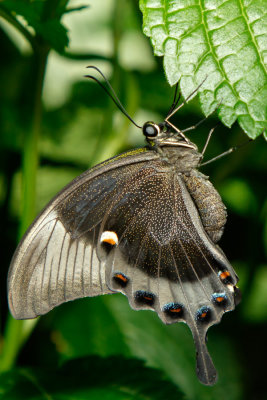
<point x="175" y="149"/>
<point x="183" y="159"/>
<point x="172" y="146"/>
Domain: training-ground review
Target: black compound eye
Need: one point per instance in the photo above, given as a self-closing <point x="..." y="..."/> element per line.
<point x="150" y="129"/>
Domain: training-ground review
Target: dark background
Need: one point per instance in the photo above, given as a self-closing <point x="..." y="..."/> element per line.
<point x="78" y="127"/>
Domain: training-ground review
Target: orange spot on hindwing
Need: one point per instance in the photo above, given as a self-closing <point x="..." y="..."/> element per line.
<point x="143" y="297"/>
<point x="176" y="310"/>
<point x="225" y="277"/>
<point x="203" y="314"/>
<point x="120" y="279"/>
<point x="219" y="298"/>
<point x="173" y="310"/>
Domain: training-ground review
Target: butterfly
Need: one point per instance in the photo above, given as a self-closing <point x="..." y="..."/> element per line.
<point x="145" y="223"/>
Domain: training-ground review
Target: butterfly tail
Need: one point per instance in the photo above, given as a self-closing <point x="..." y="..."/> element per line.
<point x="205" y="369"/>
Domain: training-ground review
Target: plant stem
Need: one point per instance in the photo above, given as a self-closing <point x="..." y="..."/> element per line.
<point x="31" y="152"/>
<point x="16" y="332"/>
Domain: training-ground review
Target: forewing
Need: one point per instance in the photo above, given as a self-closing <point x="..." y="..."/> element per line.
<point x="56" y="260"/>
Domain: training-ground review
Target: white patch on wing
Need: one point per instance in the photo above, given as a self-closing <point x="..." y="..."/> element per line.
<point x="109" y="237"/>
<point x="231" y="288"/>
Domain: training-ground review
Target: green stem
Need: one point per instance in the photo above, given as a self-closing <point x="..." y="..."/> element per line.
<point x="16" y="332"/>
<point x="31" y="152"/>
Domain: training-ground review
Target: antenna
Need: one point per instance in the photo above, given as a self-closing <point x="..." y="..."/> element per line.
<point x="111" y="93"/>
<point x="175" y="100"/>
<point x="174" y="111"/>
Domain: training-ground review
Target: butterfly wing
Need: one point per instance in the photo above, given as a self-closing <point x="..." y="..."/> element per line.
<point x="127" y="225"/>
<point x="56" y="260"/>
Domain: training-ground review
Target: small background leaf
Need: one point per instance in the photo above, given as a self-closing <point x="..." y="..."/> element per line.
<point x="89" y="378"/>
<point x="224" y="42"/>
<point x="51" y="30"/>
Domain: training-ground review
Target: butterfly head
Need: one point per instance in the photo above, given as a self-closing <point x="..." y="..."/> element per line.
<point x="165" y="134"/>
<point x="172" y="144"/>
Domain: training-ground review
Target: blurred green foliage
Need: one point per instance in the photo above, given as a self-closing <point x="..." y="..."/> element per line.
<point x="47" y="138"/>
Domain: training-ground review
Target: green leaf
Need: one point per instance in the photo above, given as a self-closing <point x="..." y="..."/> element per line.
<point x="89" y="378"/>
<point x="24" y="8"/>
<point x="221" y="42"/>
<point x="77" y="336"/>
<point x="54" y="33"/>
<point x="50" y="29"/>
<point x="171" y="349"/>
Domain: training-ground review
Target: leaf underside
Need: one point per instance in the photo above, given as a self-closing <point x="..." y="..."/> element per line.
<point x="91" y="378"/>
<point x="222" y="41"/>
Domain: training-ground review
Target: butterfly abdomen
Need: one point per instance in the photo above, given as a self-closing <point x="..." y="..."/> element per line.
<point x="208" y="202"/>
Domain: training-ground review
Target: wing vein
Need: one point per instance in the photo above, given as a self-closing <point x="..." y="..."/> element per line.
<point x="60" y="257"/>
<point x="189" y="308"/>
<point x="74" y="264"/>
<point x="82" y="269"/>
<point x="66" y="270"/>
<point x="91" y="260"/>
<point x="45" y="262"/>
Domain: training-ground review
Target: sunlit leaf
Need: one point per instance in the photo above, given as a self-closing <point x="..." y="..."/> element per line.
<point x="221" y="42"/>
